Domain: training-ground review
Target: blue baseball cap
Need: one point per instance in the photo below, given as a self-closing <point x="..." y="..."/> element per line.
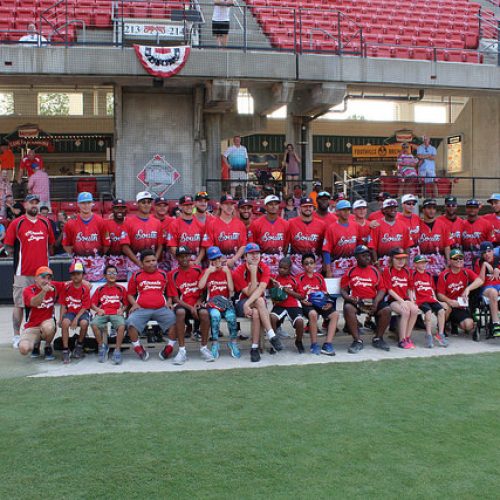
<point x="84" y="197"/>
<point x="494" y="197"/>
<point x="213" y="253"/>
<point x="342" y="205"/>
<point x="252" y="247"/>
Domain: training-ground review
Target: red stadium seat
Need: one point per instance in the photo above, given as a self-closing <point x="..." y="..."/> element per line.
<point x="70" y="207"/>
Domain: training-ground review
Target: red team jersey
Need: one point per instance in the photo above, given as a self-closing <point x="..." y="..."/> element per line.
<point x="397" y="280"/>
<point x="363" y="231"/>
<point x="148" y="288"/>
<point x="309" y="284"/>
<point x="110" y="298"/>
<point x="31" y="242"/>
<point x="489" y="278"/>
<point x="217" y="284"/>
<point x="184" y="284"/>
<point x="74" y="298"/>
<point x="143" y="233"/>
<point x="306" y="237"/>
<point x="186" y="233"/>
<point x="341" y="240"/>
<point x="377" y="215"/>
<point x="453" y="284"/>
<point x="290" y="282"/>
<point x="494" y="220"/>
<point x="228" y="236"/>
<point x="454" y="227"/>
<point x="117" y="236"/>
<point x="363" y="282"/>
<point x="37" y="315"/>
<point x="423" y="284"/>
<point x="272" y="237"/>
<point x="386" y="236"/>
<point x="473" y="233"/>
<point x="241" y="277"/>
<point x="434" y="239"/>
<point x="86" y="237"/>
<point x="329" y="218"/>
<point x="413" y="223"/>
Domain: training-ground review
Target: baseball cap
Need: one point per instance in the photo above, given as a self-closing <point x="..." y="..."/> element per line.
<point x="408" y="197"/>
<point x="317" y="183"/>
<point x="183" y="250"/>
<point x="472" y="203"/>
<point x="201" y="195"/>
<point x="450" y="200"/>
<point x="428" y="202"/>
<point x="338" y="196"/>
<point x="252" y="247"/>
<point x="84" y="197"/>
<point x="485" y="246"/>
<point x="160" y="200"/>
<point x="361" y="249"/>
<point x="270" y="199"/>
<point x="306" y="201"/>
<point x="213" y="253"/>
<point x="227" y="198"/>
<point x="359" y="204"/>
<point x="323" y="194"/>
<point x="456" y="252"/>
<point x="398" y="252"/>
<point x="118" y="202"/>
<point x="44" y="270"/>
<point x="420" y="258"/>
<point x="32" y="197"/>
<point x="494" y="197"/>
<point x="342" y="205"/>
<point x="245" y="202"/>
<point x="186" y="200"/>
<point x="76" y="267"/>
<point x="389" y="202"/>
<point x="143" y="195"/>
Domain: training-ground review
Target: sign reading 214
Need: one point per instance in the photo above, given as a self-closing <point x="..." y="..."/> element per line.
<point x="158" y="175"/>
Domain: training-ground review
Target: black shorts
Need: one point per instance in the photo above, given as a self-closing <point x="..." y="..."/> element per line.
<point x="240" y="304"/>
<point x="292" y="313"/>
<point x="381" y="305"/>
<point x="459" y="314"/>
<point x="220" y="28"/>
<point x="321" y="312"/>
<point x="189" y="316"/>
<point x="435" y="307"/>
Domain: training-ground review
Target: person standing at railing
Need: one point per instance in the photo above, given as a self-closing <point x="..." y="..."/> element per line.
<point x="407" y="169"/>
<point x="291" y="166"/>
<point x="427" y="153"/>
<point x="33" y="38"/>
<point x="221" y="20"/>
<point x="236" y="157"/>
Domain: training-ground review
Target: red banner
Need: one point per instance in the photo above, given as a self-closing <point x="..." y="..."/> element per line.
<point x="163" y="62"/>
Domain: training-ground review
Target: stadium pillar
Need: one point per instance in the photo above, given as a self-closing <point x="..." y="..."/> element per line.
<point x="213" y="127"/>
<point x="299" y="133"/>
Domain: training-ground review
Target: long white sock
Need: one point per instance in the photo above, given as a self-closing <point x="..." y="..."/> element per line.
<point x="137" y="343"/>
<point x="255" y="346"/>
<point x="270" y="334"/>
<point x="182" y="349"/>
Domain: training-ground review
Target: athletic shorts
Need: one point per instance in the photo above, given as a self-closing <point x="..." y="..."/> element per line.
<point x="101" y="322"/>
<point x="240" y="304"/>
<point x="189" y="315"/>
<point x="459" y="314"/>
<point x="140" y="318"/>
<point x="71" y="316"/>
<point x="321" y="312"/>
<point x="381" y="305"/>
<point x="220" y="28"/>
<point x="292" y="313"/>
<point x="35" y="333"/>
<point x="20" y="283"/>
<point x="435" y="307"/>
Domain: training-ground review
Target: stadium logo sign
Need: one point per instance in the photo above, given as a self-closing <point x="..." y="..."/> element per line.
<point x="158" y="176"/>
<point x="162" y="62"/>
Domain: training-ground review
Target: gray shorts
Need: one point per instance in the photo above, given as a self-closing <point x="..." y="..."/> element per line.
<point x="140" y="317"/>
<point x="20" y="283"/>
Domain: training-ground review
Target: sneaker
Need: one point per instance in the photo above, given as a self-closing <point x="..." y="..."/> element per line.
<point x="180" y="358"/>
<point x="197" y="336"/>
<point x="102" y="355"/>
<point x="410" y="343"/>
<point x="476" y="337"/>
<point x="254" y="355"/>
<point x="496" y="329"/>
<point x="276" y="343"/>
<point x="379" y="343"/>
<point x="66" y="356"/>
<point x="429" y="343"/>
<point x="403" y="344"/>
<point x="235" y="350"/>
<point x="315" y="349"/>
<point x="141" y="352"/>
<point x="116" y="359"/>
<point x="441" y="340"/>
<point x="166" y="352"/>
<point x="206" y="354"/>
<point x="49" y="353"/>
<point x="215" y="350"/>
<point x="35" y="353"/>
<point x="327" y="348"/>
<point x="15" y="341"/>
<point x="300" y="346"/>
<point x="78" y="351"/>
<point x="355" y="347"/>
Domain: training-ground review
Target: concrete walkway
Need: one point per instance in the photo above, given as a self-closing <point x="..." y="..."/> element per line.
<point x="12" y="364"/>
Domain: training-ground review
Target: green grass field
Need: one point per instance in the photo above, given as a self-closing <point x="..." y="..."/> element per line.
<point x="418" y="428"/>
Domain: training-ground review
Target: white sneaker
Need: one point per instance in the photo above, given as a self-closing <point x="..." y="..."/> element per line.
<point x="206" y="354"/>
<point x="15" y="341"/>
<point x="180" y="358"/>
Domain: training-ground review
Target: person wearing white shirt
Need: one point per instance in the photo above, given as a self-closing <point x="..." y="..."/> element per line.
<point x="427" y="153"/>
<point x="236" y="157"/>
<point x="221" y="21"/>
<point x="33" y="39"/>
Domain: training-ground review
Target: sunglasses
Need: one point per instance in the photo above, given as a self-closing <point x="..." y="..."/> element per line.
<point x="111" y="273"/>
<point x="410" y="202"/>
<point x="45" y="275"/>
<point x="457" y="258"/>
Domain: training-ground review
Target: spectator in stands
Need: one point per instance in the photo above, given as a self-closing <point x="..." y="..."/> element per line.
<point x="290" y="210"/>
<point x="44" y="212"/>
<point x="33" y="38"/>
<point x="3" y="252"/>
<point x="317" y="185"/>
<point x="27" y="164"/>
<point x="5" y="191"/>
<point x="427" y="153"/>
<point x="298" y="194"/>
<point x="236" y="158"/>
<point x="39" y="184"/>
<point x="9" y="207"/>
<point x="62" y="218"/>
<point x="291" y="166"/>
<point x="221" y="21"/>
<point x="7" y="160"/>
<point x="17" y="210"/>
<point x="407" y="169"/>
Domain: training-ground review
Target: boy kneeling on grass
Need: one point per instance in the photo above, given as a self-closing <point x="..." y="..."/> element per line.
<point x="109" y="302"/>
<point x="425" y="297"/>
<point x="315" y="303"/>
<point x="218" y="281"/>
<point x="286" y="301"/>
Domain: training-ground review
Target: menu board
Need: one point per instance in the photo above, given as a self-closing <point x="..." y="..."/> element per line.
<point x="454" y="144"/>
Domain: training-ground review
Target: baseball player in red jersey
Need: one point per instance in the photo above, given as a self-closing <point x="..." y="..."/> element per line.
<point x="475" y="230"/>
<point x="411" y="219"/>
<point x="378" y="214"/>
<point x="451" y="220"/>
<point x="187" y="231"/>
<point x="86" y="238"/>
<point x="494" y="218"/>
<point x="434" y="241"/>
<point x="340" y="241"/>
<point x="29" y="239"/>
<point x="143" y="231"/>
<point x="389" y="233"/>
<point x="270" y="232"/>
<point x="306" y="234"/>
<point x="161" y="213"/>
<point x="245" y="212"/>
<point x="322" y="211"/>
<point x="359" y="216"/>
<point x="200" y="211"/>
<point x="227" y="232"/>
<point x="117" y="235"/>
